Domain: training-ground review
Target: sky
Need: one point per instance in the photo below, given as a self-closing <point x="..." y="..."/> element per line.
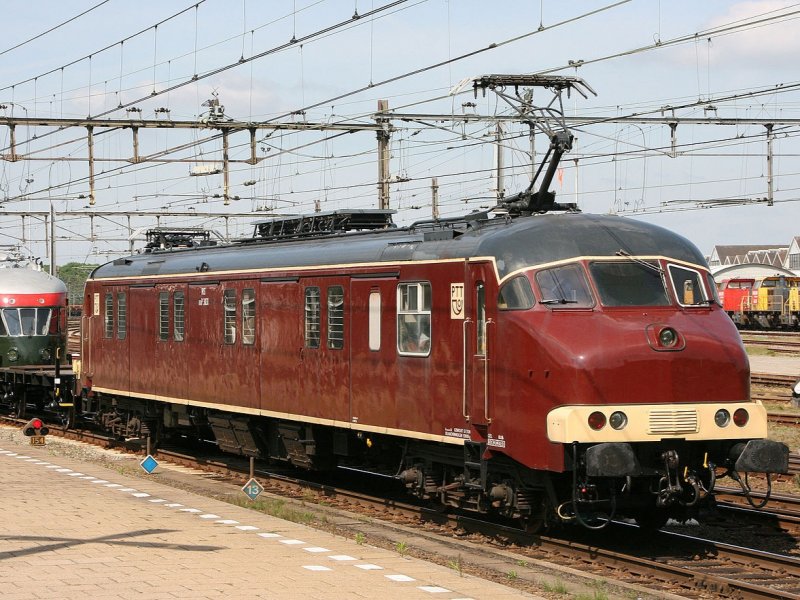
<point x="330" y="61"/>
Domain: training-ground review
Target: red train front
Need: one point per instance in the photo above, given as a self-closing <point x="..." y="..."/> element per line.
<point x="545" y="367"/>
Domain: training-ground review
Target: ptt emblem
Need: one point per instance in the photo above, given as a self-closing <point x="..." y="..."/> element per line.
<point x="456" y="300"/>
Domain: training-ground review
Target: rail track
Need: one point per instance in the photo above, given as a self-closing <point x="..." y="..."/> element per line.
<point x="773" y="380"/>
<point x="783" y="512"/>
<point x="676" y="562"/>
<point x="779" y="342"/>
<point x="790" y="419"/>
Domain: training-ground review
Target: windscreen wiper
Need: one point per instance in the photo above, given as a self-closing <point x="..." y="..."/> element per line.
<point x="641" y="262"/>
<point x="558" y="301"/>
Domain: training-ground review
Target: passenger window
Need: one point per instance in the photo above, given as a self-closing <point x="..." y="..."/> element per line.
<point x="516" y="294"/>
<point x="108" y="317"/>
<point x="163" y="315"/>
<point x="4" y="331"/>
<point x="229" y="323"/>
<point x="178" y="316"/>
<point x="122" y="316"/>
<point x="688" y="286"/>
<point x="564" y="287"/>
<point x="375" y="321"/>
<point x="414" y="318"/>
<point x="336" y="317"/>
<point x="312" y="310"/>
<point x="248" y="317"/>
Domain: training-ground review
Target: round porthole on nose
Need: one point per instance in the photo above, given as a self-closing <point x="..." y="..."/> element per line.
<point x="664" y="338"/>
<point x="668" y="337"/>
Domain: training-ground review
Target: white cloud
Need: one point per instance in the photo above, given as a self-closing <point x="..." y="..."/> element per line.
<point x="775" y="41"/>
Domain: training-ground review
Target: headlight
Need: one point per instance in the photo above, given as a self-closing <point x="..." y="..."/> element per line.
<point x="12" y="355"/>
<point x="722" y="418"/>
<point x="45" y="353"/>
<point x="618" y="420"/>
<point x="668" y="337"/>
<point x="740" y="417"/>
<point x="597" y="420"/>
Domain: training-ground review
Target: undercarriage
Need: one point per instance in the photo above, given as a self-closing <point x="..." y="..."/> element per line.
<point x="648" y="482"/>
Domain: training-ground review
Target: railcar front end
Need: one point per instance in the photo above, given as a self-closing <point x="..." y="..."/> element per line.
<point x="33" y="333"/>
<point x="656" y="402"/>
<point x="32" y="318"/>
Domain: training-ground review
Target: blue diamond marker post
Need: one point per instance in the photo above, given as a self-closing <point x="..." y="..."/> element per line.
<point x="252" y="488"/>
<point x="149" y="464"/>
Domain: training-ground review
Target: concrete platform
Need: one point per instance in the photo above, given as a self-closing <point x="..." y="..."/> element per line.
<point x="73" y="530"/>
<point x="776" y="365"/>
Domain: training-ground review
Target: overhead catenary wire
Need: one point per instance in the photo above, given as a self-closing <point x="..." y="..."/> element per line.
<point x="436" y="142"/>
<point x="55" y="27"/>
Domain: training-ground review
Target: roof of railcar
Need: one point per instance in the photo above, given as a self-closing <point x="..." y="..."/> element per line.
<point x="514" y="243"/>
<point x="29" y="281"/>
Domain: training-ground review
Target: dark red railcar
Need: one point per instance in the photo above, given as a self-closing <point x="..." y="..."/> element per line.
<point x="542" y="367"/>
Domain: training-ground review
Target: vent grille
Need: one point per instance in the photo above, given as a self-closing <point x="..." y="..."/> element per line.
<point x="673" y="421"/>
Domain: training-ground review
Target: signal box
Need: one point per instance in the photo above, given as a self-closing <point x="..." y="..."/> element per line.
<point x="36" y="430"/>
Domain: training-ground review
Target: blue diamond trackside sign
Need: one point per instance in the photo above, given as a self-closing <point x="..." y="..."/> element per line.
<point x="149" y="464"/>
<point x="252" y="488"/>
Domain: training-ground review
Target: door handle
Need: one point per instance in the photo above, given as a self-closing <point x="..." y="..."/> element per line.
<point x="486" y="373"/>
<point x="464" y="370"/>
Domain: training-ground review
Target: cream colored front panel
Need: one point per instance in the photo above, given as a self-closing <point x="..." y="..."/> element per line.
<point x="653" y="422"/>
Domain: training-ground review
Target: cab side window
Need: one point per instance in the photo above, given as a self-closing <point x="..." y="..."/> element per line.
<point x="414" y="318"/>
<point x="516" y="294"/>
<point x="687" y="285"/>
<point x="564" y="287"/>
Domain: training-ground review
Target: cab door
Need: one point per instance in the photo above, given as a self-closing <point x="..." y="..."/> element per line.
<point x="480" y="340"/>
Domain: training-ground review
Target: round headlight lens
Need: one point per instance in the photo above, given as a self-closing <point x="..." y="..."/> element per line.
<point x="45" y="353"/>
<point x="12" y="355"/>
<point x="597" y="420"/>
<point x="741" y="417"/>
<point x="722" y="418"/>
<point x="618" y="420"/>
<point x="668" y="337"/>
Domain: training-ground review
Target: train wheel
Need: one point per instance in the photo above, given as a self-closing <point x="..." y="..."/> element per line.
<point x="532" y="525"/>
<point x="651" y="520"/>
<point x="21" y="401"/>
<point x="68" y="418"/>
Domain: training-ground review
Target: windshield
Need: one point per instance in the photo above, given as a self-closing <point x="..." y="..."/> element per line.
<point x="629" y="283"/>
<point x="25" y="321"/>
